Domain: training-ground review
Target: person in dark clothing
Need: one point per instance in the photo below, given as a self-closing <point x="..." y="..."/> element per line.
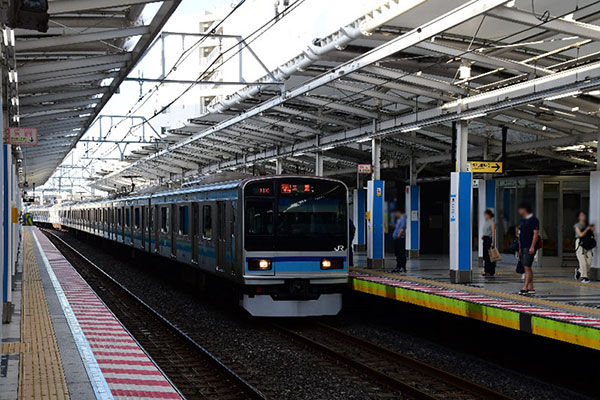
<point x="351" y="253"/>
<point x="489" y="240"/>
<point x="529" y="231"/>
<point x="399" y="237"/>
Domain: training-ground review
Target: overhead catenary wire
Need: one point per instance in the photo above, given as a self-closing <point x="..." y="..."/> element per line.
<point x="442" y="59"/>
<point x="253" y="36"/>
<point x="437" y="63"/>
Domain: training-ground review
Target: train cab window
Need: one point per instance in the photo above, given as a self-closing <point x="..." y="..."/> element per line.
<point x="164" y="219"/>
<point x="136" y="218"/>
<point x="184" y="223"/>
<point x="207" y="222"/>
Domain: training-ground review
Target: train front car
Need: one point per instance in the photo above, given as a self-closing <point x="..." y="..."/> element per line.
<point x="295" y="246"/>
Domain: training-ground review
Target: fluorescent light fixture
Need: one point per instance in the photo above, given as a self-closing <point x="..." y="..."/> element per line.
<point x="594" y="93"/>
<point x="328" y="148"/>
<point x="563" y="95"/>
<point x="414" y="128"/>
<point x="363" y="140"/>
<point x="575" y="109"/>
<point x="299" y="154"/>
<point x="468" y="117"/>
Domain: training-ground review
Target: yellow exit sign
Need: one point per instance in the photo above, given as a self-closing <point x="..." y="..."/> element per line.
<point x="486" y="167"/>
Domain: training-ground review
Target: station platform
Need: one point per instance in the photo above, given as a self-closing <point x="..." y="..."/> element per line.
<point x="65" y="343"/>
<point x="562" y="309"/>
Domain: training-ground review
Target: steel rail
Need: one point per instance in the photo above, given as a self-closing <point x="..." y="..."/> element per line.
<point x="193" y="370"/>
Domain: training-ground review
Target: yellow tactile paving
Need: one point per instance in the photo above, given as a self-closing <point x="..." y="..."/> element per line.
<point x="14" y="348"/>
<point x="493" y="293"/>
<point x="41" y="375"/>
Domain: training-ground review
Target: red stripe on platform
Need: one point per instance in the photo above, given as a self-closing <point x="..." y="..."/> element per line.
<point x="106" y="336"/>
<point x="130" y="371"/>
<point x="145" y="394"/>
<point x="127" y="362"/>
<point x="141" y="382"/>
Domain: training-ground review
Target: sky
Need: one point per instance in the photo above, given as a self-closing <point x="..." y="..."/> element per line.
<point x="312" y="19"/>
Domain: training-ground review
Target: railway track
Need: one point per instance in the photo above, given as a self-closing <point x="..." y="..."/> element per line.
<point x="195" y="372"/>
<point x="400" y="373"/>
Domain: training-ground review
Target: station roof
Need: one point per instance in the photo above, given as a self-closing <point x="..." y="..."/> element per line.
<point x="69" y="73"/>
<point x="404" y="73"/>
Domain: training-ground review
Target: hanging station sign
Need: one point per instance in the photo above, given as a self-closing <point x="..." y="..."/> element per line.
<point x="365" y="168"/>
<point x="22" y="136"/>
<point x="486" y="167"/>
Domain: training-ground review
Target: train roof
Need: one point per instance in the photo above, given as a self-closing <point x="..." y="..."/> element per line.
<point x="199" y="188"/>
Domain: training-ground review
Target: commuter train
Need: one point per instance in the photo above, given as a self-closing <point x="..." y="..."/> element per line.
<point x="281" y="240"/>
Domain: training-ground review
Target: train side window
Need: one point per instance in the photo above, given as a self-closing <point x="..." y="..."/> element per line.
<point x="164" y="216"/>
<point x="136" y="218"/>
<point x="184" y="222"/>
<point x="127" y="217"/>
<point x="207" y="222"/>
<point x="119" y="217"/>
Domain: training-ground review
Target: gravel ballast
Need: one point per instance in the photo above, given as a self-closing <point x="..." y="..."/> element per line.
<point x="284" y="370"/>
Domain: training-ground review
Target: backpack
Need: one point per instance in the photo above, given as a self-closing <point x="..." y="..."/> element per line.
<point x="588" y="241"/>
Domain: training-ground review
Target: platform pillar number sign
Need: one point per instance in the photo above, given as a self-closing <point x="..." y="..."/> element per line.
<point x="594" y="218"/>
<point x="375" y="224"/>
<point x="358" y="217"/>
<point x="461" y="211"/>
<point x="413" y="218"/>
<point x="487" y="201"/>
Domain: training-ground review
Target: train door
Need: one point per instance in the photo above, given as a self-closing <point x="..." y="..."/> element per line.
<point x="221" y="239"/>
<point x="174" y="219"/>
<point x="195" y="231"/>
<point x="143" y="226"/>
<point x="155" y="229"/>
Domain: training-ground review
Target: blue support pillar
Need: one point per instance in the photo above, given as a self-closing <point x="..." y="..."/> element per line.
<point x="413" y="215"/>
<point x="375" y="224"/>
<point x="461" y="210"/>
<point x="360" y="222"/>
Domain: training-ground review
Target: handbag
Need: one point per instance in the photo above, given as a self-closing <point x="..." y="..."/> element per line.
<point x="494" y="255"/>
<point x="520" y="269"/>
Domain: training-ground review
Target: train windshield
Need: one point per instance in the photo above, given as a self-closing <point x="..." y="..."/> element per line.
<point x="296" y="215"/>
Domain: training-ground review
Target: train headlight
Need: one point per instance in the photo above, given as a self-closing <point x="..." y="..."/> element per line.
<point x="259" y="265"/>
<point x="332" y="263"/>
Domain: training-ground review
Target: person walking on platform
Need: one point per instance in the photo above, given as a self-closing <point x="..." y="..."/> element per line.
<point x="399" y="237"/>
<point x="489" y="240"/>
<point x="529" y="233"/>
<point x="584" y="244"/>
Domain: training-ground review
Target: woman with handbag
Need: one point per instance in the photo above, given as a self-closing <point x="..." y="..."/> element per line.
<point x="490" y="254"/>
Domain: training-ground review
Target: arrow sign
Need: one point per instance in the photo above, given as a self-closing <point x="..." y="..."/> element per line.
<point x="486" y="167"/>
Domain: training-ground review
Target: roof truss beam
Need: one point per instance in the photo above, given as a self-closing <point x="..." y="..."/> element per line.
<point x="23" y="46"/>
<point x="77" y="6"/>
